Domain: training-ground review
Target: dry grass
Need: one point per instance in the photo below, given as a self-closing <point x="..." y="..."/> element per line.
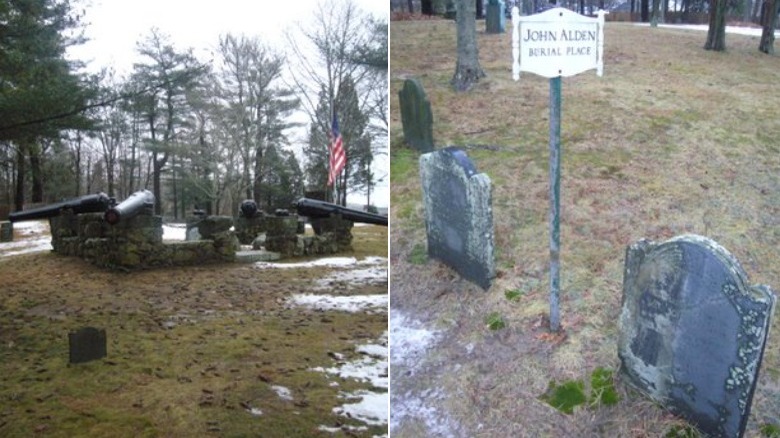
<point x="190" y="350"/>
<point x="672" y="139"/>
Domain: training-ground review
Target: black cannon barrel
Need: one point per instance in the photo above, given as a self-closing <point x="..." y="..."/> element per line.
<point x="95" y="203"/>
<point x="133" y="205"/>
<point x="248" y="208"/>
<point x="317" y="209"/>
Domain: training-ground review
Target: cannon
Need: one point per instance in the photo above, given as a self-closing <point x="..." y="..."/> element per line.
<point x="321" y="209"/>
<point x="95" y="203"/>
<point x="248" y="208"/>
<point x="142" y="200"/>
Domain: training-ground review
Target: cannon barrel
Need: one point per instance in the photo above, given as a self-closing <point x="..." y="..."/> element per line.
<point x="133" y="205"/>
<point x="248" y="208"/>
<point x="95" y="203"/>
<point x="319" y="209"/>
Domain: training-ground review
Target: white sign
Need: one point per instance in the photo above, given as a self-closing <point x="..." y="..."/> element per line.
<point x="557" y="42"/>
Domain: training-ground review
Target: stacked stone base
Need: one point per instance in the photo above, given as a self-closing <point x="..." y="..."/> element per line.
<point x="333" y="235"/>
<point x="136" y="243"/>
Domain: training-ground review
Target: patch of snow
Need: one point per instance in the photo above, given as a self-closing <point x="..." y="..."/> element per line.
<point x="255" y="411"/>
<point x="373" y="260"/>
<point x="327" y="262"/>
<point x="415" y="407"/>
<point x="174" y="231"/>
<point x="354" y="303"/>
<point x="31" y="227"/>
<point x="29" y="237"/>
<point x="409" y="340"/>
<point x="282" y="392"/>
<point x="25" y="246"/>
<point x="738" y="30"/>
<point x="372" y="409"/>
<point x="355" y="276"/>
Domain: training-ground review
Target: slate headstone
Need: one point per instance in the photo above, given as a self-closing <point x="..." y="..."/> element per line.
<point x="6" y="231"/>
<point x="693" y="331"/>
<point x="458" y="214"/>
<point x="495" y="19"/>
<point x="87" y="344"/>
<point x="416" y="116"/>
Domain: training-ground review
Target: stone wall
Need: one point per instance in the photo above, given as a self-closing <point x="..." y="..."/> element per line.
<point x="248" y="228"/>
<point x="136" y="243"/>
<point x="332" y="235"/>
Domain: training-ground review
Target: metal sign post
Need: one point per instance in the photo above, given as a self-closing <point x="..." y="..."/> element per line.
<point x="553" y="44"/>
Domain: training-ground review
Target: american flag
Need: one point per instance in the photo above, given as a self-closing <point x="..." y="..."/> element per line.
<point x="337" y="156"/>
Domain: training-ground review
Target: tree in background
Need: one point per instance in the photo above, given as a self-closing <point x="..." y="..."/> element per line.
<point x="467" y="69"/>
<point x="326" y="80"/>
<point x="283" y="180"/>
<point x="257" y="107"/>
<point x="769" y="11"/>
<point x="716" y="34"/>
<point x="41" y="95"/>
<point x="164" y="105"/>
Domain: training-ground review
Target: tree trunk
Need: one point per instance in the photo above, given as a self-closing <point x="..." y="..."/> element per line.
<point x="36" y="173"/>
<point x="258" y="181"/>
<point x="426" y="7"/>
<point x="654" y="14"/>
<point x="768" y="19"/>
<point x="410" y="3"/>
<point x="716" y="35"/>
<point x="645" y="10"/>
<point x="175" y="188"/>
<point x="756" y="15"/>
<point x="467" y="70"/>
<point x="77" y="164"/>
<point x="478" y="5"/>
<point x="20" y="174"/>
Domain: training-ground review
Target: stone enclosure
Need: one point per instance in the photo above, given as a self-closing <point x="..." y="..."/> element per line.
<point x="121" y="238"/>
<point x="137" y="242"/>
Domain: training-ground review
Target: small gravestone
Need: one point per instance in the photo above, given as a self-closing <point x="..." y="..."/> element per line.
<point x="6" y="231"/>
<point x="87" y="344"/>
<point x="495" y="19"/>
<point x="416" y="116"/>
<point x="458" y="214"/>
<point x="693" y="331"/>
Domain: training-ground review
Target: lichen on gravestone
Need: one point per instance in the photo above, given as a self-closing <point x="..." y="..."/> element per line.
<point x="693" y="331"/>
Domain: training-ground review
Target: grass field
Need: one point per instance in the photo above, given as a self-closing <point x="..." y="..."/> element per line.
<point x="218" y="350"/>
<point x="672" y="139"/>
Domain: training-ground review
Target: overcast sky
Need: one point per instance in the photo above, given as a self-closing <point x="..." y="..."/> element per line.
<point x="113" y="27"/>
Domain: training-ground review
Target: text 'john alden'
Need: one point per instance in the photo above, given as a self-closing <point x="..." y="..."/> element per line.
<point x="571" y="35"/>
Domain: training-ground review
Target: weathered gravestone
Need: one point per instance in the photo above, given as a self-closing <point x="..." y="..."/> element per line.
<point x="6" y="231"/>
<point x="693" y="331"/>
<point x="87" y="344"/>
<point x="416" y="116"/>
<point x="458" y="214"/>
<point x="495" y="19"/>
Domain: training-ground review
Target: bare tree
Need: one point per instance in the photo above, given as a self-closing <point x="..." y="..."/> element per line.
<point x="324" y="66"/>
<point x="257" y="106"/>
